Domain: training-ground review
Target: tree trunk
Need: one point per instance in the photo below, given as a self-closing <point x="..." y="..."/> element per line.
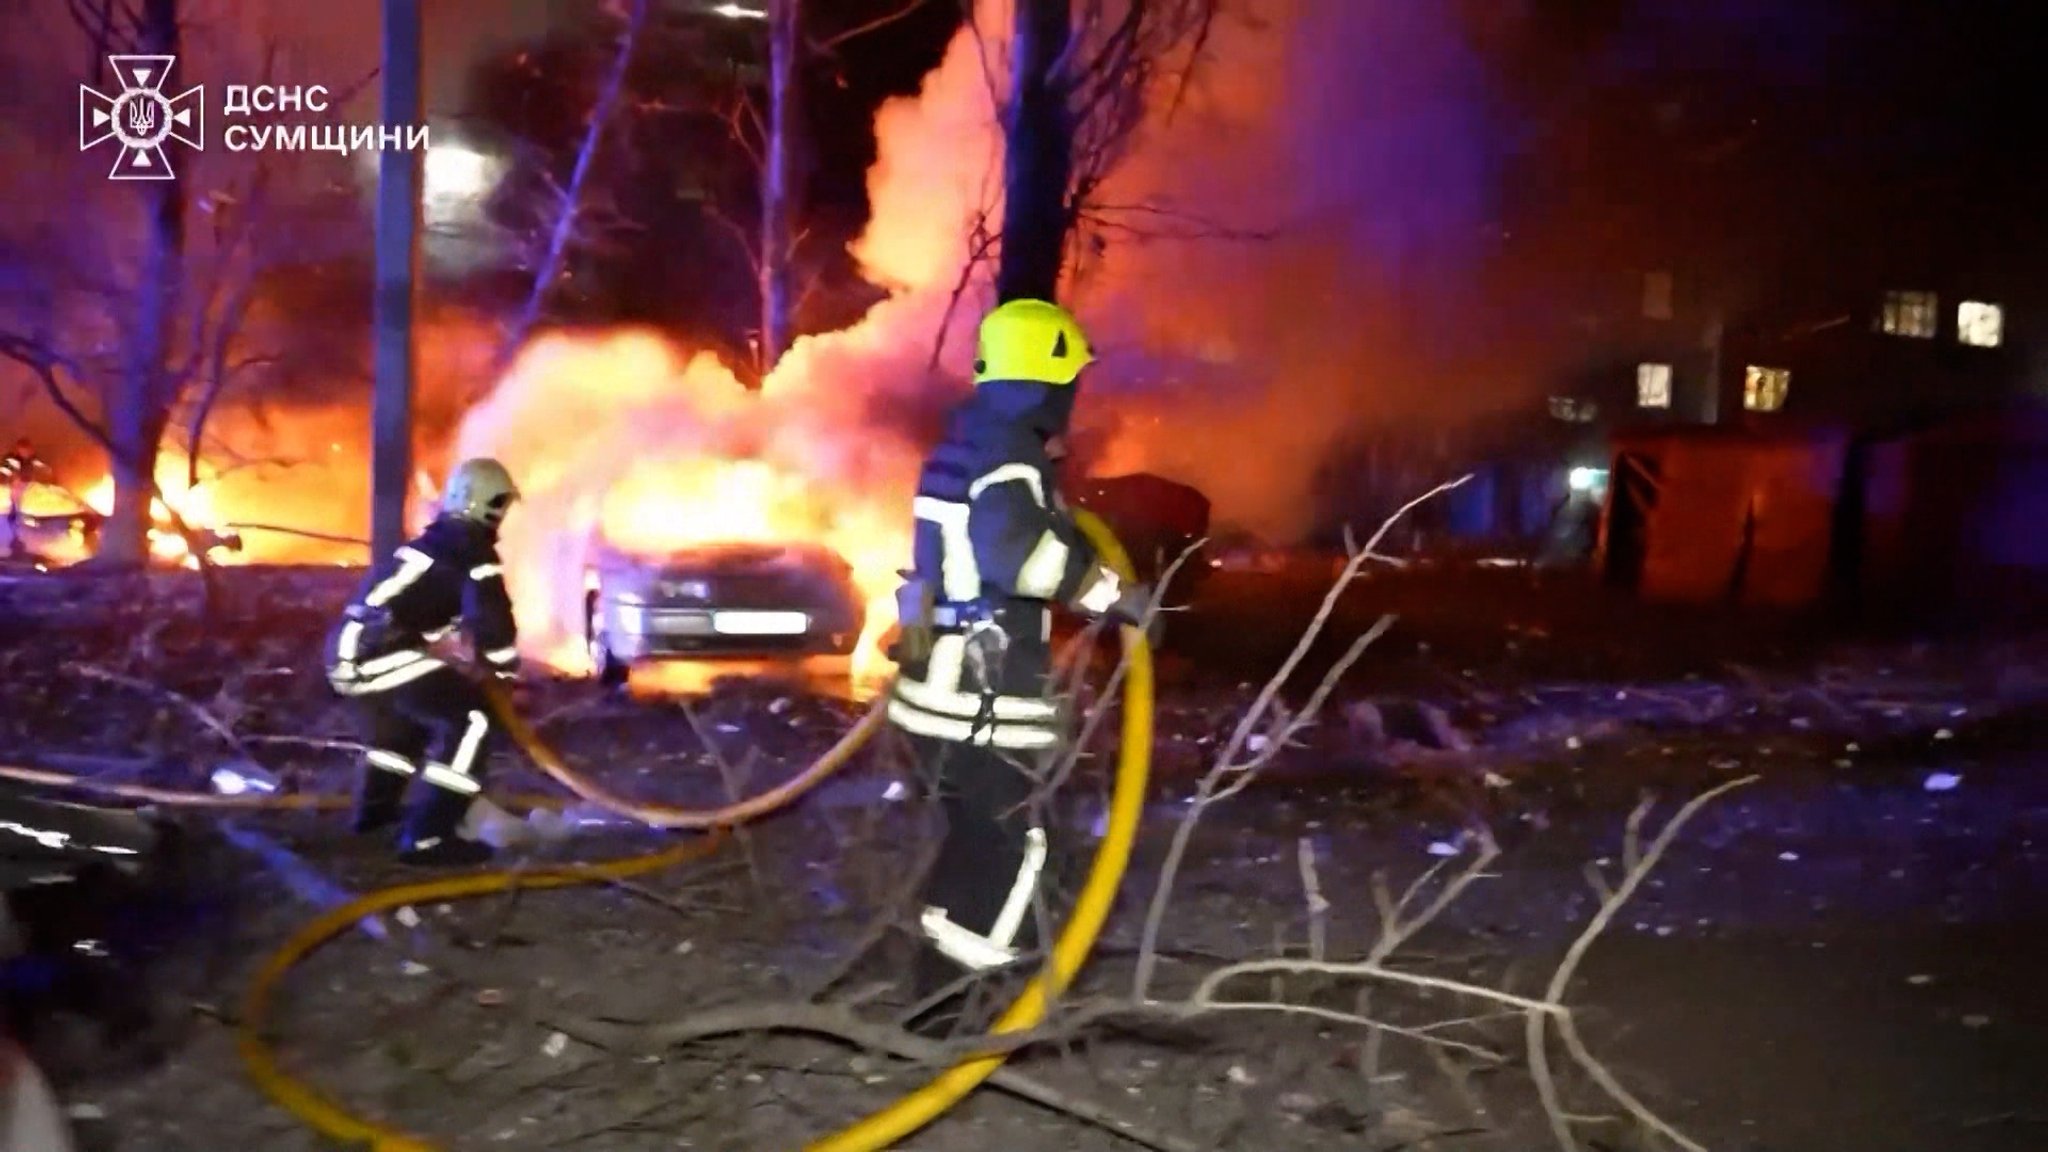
<point x="140" y="407"/>
<point x="779" y="179"/>
<point x="1038" y="160"/>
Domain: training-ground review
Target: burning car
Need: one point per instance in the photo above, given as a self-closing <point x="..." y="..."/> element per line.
<point x="720" y="601"/>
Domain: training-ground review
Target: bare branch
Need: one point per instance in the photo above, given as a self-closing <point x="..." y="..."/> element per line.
<point x="1228" y="775"/>
<point x="564" y="228"/>
<point x="1561" y="979"/>
<point x="839" y="1022"/>
<point x="831" y="43"/>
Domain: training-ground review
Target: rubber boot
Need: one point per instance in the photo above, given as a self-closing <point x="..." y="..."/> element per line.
<point x="432" y="835"/>
<point x="379" y="800"/>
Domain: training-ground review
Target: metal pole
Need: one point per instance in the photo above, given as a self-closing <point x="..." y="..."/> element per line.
<point x="397" y="273"/>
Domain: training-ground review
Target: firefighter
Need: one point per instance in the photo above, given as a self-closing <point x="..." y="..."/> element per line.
<point x="426" y="718"/>
<point x="20" y="464"/>
<point x="19" y="469"/>
<point x="995" y="550"/>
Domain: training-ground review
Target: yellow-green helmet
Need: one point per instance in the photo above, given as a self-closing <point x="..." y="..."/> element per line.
<point x="479" y="489"/>
<point x="1031" y="342"/>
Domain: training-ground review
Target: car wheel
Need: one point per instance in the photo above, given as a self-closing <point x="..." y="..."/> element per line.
<point x="611" y="671"/>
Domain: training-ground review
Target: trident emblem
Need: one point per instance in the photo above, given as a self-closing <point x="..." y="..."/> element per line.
<point x="141" y="118"/>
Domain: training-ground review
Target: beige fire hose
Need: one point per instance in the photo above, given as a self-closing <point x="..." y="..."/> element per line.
<point x="542" y="754"/>
<point x="663" y="816"/>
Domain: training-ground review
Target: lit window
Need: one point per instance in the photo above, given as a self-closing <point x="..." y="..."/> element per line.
<point x="1980" y="325"/>
<point x="1915" y="314"/>
<point x="1657" y="295"/>
<point x="1764" y="389"/>
<point x="1574" y="409"/>
<point x="1653" y="385"/>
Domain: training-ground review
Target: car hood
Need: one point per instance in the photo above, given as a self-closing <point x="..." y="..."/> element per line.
<point x="724" y="560"/>
<point x="737" y="559"/>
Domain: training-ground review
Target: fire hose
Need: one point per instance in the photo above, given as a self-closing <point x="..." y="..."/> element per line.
<point x="877" y="1131"/>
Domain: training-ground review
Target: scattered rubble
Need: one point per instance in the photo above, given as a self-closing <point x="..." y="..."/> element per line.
<point x="1872" y="735"/>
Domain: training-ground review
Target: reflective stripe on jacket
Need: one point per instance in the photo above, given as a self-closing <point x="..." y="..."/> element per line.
<point x="447" y="577"/>
<point x="991" y="529"/>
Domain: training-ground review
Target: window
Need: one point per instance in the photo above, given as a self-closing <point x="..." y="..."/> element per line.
<point x="1653" y="385"/>
<point x="1980" y="325"/>
<point x="1764" y="389"/>
<point x="1915" y="314"/>
<point x="1657" y="295"/>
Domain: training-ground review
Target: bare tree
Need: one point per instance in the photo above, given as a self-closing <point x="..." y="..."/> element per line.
<point x="140" y="403"/>
<point x="132" y="333"/>
<point x="566" y="216"/>
<point x="775" y="140"/>
<point x="1038" y="131"/>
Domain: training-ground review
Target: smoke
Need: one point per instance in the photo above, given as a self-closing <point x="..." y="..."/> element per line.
<point x="1231" y="364"/>
<point x="1336" y="165"/>
<point x="1334" y="176"/>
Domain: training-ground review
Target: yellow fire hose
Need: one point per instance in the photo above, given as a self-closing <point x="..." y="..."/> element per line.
<point x="1077" y="938"/>
<point x="309" y="1106"/>
<point x="878" y="1131"/>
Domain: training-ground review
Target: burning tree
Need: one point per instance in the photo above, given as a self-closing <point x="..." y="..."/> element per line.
<point x="139" y="312"/>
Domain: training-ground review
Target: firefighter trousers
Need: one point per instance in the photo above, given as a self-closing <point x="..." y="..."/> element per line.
<point x="437" y="728"/>
<point x="984" y="897"/>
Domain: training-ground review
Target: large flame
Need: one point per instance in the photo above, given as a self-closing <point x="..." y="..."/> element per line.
<point x="621" y="438"/>
<point x="303" y="475"/>
<point x="624" y="437"/>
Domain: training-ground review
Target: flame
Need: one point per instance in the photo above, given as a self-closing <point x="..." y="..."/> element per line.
<point x="193" y="504"/>
<point x="295" y="468"/>
<point x="625" y="438"/>
<point x="678" y="503"/>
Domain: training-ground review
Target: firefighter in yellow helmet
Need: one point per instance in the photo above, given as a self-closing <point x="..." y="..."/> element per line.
<point x="995" y="551"/>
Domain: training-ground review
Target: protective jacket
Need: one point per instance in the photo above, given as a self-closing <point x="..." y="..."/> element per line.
<point x="995" y="549"/>
<point x="448" y="576"/>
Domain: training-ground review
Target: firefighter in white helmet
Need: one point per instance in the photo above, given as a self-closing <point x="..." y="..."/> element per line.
<point x="995" y="551"/>
<point x="427" y="720"/>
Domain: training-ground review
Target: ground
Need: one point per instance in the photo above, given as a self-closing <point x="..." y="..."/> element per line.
<point x="1839" y="954"/>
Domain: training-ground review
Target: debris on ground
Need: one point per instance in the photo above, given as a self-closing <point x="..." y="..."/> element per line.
<point x="1763" y="913"/>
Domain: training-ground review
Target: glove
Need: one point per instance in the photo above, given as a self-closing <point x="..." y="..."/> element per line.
<point x="513" y="694"/>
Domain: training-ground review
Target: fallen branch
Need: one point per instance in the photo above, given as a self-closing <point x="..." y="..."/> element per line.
<point x="1644" y="864"/>
<point x="1229" y="775"/>
<point x="206" y="719"/>
<point x="839" y="1022"/>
